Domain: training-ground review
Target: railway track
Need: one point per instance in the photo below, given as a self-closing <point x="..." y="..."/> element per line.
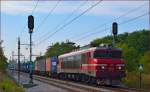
<point x="80" y="87"/>
<point x="73" y="86"/>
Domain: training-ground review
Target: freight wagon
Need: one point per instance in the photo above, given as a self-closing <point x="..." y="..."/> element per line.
<point x="54" y="61"/>
<point x="46" y="66"/>
<point x="25" y="66"/>
<point x="40" y="65"/>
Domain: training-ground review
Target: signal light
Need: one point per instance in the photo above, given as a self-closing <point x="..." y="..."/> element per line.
<point x="30" y="23"/>
<point x="119" y="67"/>
<point x="115" y="28"/>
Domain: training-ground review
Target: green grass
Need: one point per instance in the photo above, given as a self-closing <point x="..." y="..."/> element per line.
<point x="132" y="80"/>
<point x="8" y="85"/>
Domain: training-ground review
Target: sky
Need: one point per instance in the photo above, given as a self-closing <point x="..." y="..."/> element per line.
<point x="57" y="21"/>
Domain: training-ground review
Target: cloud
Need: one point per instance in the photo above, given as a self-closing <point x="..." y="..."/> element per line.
<point x="64" y="7"/>
<point x="23" y="7"/>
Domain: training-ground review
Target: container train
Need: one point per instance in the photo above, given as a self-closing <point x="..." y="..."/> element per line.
<point x="101" y="65"/>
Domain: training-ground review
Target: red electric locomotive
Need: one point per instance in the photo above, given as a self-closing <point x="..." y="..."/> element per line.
<point x="101" y="65"/>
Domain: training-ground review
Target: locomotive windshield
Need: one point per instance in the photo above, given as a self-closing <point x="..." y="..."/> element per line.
<point x="107" y="54"/>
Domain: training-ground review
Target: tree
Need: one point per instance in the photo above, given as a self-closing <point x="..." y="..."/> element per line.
<point x="60" y="48"/>
<point x="105" y="40"/>
<point x="130" y="56"/>
<point x="3" y="60"/>
<point x="139" y="40"/>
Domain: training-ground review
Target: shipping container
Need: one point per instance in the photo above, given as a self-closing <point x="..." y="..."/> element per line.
<point x="40" y="65"/>
<point x="54" y="61"/>
<point x="36" y="66"/>
<point x="48" y="64"/>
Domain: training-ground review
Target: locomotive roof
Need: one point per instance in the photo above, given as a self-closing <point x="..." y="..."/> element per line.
<point x="87" y="50"/>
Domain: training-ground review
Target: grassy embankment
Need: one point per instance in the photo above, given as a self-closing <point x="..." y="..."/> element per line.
<point x="133" y="80"/>
<point x="7" y="84"/>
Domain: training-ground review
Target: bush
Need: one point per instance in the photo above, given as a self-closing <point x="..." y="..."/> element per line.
<point x="8" y="85"/>
<point x="132" y="79"/>
<point x="3" y="60"/>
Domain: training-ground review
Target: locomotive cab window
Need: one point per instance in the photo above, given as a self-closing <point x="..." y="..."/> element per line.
<point x="116" y="54"/>
<point x="100" y="54"/>
<point x="107" y="54"/>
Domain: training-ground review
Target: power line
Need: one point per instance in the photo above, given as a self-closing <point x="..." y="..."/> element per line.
<point x="109" y="28"/>
<point x="134" y="18"/>
<point x="96" y="28"/>
<point x="67" y="18"/>
<point x="35" y="7"/>
<point x="33" y="10"/>
<point x="124" y="22"/>
<point x="50" y="12"/>
<point x="81" y="38"/>
<point x="70" y="21"/>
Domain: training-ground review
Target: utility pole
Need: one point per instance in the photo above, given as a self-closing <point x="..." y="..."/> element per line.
<point x="12" y="55"/>
<point x="0" y="31"/>
<point x="31" y="26"/>
<point x="149" y="14"/>
<point x="18" y="60"/>
<point x="12" y="60"/>
<point x="149" y="23"/>
<point x="0" y="39"/>
<point x="24" y="58"/>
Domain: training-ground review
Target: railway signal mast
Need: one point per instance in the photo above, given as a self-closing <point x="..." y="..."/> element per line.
<point x="18" y="60"/>
<point x="31" y="26"/>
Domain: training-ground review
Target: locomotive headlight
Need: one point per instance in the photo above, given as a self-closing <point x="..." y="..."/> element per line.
<point x="95" y="60"/>
<point x="102" y="67"/>
<point x="119" y="67"/>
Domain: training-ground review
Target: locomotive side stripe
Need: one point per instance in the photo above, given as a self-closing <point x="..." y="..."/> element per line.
<point x="94" y="64"/>
<point x="120" y="65"/>
<point x="101" y="65"/>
